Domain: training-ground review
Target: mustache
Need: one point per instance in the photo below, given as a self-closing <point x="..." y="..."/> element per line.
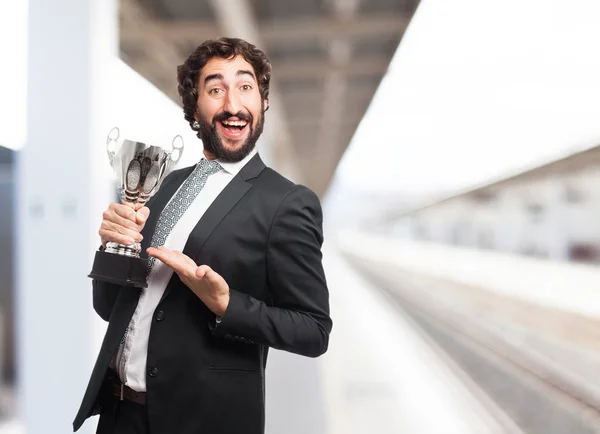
<point x="226" y="115"/>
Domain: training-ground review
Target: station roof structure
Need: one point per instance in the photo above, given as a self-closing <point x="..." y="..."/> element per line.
<point x="328" y="59"/>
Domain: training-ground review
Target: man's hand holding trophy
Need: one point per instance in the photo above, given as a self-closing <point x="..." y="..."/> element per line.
<point x="140" y="170"/>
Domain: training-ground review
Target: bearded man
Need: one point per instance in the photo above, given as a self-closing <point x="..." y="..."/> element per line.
<point x="236" y="270"/>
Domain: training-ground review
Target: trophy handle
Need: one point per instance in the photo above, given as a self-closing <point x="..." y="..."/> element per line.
<point x="177" y="150"/>
<point x="111" y="143"/>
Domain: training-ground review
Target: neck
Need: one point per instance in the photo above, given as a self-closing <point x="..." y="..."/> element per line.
<point x="208" y="155"/>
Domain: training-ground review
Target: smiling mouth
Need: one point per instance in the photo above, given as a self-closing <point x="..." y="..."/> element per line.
<point x="234" y="125"/>
<point x="233" y="129"/>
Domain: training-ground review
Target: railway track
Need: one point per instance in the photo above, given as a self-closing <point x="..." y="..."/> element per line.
<point x="527" y="391"/>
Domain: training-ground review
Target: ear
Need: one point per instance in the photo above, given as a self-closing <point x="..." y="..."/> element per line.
<point x="266" y="102"/>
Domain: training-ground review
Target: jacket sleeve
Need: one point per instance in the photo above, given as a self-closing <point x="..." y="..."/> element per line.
<point x="104" y="296"/>
<point x="298" y="319"/>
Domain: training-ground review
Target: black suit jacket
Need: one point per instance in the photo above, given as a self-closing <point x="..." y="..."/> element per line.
<point x="263" y="234"/>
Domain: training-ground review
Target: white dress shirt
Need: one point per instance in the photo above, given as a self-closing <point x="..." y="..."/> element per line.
<point x="130" y="360"/>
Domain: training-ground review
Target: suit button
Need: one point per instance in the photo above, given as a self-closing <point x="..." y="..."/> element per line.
<point x="160" y="315"/>
<point x="153" y="372"/>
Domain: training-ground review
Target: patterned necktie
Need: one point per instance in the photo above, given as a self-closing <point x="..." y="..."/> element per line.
<point x="181" y="201"/>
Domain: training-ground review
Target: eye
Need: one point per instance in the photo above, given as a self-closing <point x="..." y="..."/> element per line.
<point x="246" y="87"/>
<point x="214" y="91"/>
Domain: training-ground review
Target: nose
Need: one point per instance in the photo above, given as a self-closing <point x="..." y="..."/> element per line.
<point x="232" y="102"/>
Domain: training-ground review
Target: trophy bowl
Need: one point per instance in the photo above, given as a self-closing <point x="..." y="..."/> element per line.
<point x="139" y="169"/>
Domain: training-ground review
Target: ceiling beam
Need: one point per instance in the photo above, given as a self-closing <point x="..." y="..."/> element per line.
<point x="349" y="117"/>
<point x="291" y="70"/>
<point x="359" y="66"/>
<point x="326" y="28"/>
<point x="306" y="97"/>
<point x="277" y="33"/>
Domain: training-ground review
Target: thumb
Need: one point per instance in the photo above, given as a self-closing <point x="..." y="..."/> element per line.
<point x="202" y="271"/>
<point x="142" y="215"/>
<point x="213" y="277"/>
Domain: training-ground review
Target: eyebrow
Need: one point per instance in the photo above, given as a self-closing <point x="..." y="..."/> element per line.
<point x="246" y="72"/>
<point x="218" y="76"/>
<point x="213" y="77"/>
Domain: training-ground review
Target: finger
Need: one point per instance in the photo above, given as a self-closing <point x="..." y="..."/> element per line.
<point x="137" y="206"/>
<point x="110" y="236"/>
<point x="213" y="277"/>
<point x="186" y="262"/>
<point x="181" y="263"/>
<point x="202" y="271"/>
<point x="160" y="254"/>
<point x="189" y="261"/>
<point x="142" y="215"/>
<point x="124" y="211"/>
<point x="110" y="216"/>
<point x="133" y="233"/>
<point x="168" y="258"/>
<point x="155" y="252"/>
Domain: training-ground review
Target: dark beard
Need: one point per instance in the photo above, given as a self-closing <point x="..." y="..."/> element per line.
<point x="213" y="144"/>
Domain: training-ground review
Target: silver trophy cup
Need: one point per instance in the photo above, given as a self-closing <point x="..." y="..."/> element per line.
<point x="140" y="169"/>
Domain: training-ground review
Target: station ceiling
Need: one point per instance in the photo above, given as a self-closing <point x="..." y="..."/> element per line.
<point x="328" y="58"/>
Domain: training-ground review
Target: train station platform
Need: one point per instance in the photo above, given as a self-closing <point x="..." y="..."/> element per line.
<point x="421" y="346"/>
<point x="522" y="332"/>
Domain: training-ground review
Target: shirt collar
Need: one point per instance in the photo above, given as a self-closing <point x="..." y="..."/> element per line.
<point x="234" y="168"/>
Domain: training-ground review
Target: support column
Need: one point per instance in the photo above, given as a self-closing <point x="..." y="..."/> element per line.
<point x="62" y="188"/>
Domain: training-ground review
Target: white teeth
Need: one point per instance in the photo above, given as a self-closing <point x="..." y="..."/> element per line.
<point x="236" y="123"/>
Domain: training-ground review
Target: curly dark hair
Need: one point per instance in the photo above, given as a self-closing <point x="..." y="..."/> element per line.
<point x="225" y="48"/>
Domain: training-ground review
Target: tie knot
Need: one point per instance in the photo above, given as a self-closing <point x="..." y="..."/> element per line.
<point x="208" y="167"/>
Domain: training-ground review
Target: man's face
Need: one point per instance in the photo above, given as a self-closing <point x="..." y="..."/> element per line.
<point x="230" y="109"/>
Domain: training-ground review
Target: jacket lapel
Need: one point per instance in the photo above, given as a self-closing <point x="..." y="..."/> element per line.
<point x="216" y="212"/>
<point x="231" y="194"/>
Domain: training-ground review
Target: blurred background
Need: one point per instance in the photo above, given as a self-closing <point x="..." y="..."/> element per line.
<point x="455" y="145"/>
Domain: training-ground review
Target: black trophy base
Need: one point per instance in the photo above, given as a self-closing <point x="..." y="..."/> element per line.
<point x="119" y="269"/>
